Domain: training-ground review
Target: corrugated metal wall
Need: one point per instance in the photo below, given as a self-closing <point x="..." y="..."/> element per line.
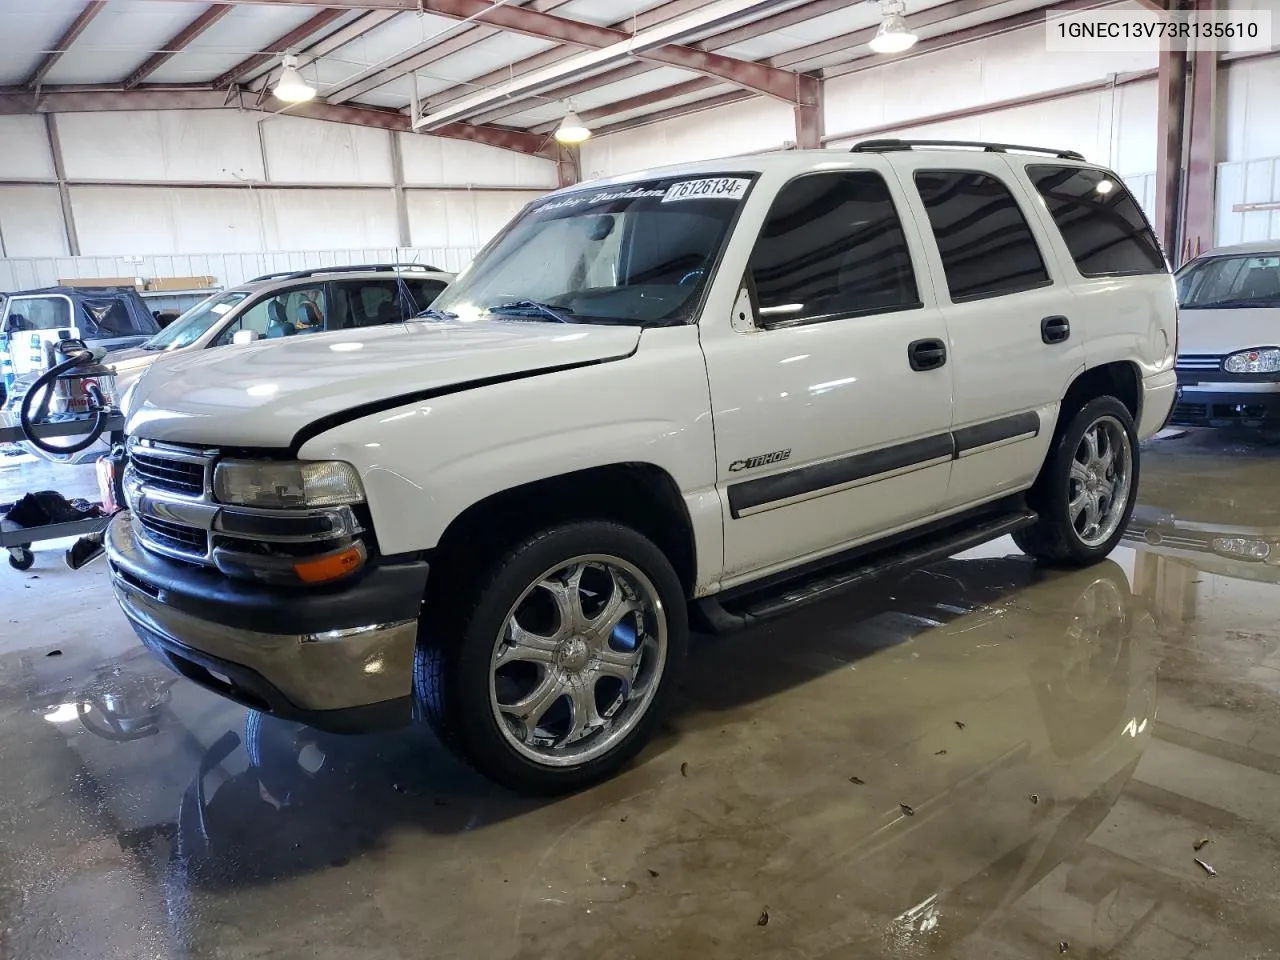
<point x="236" y="195"/>
<point x="24" y="273"/>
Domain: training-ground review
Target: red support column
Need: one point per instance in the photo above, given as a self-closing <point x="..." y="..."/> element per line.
<point x="1170" y="110"/>
<point x="1199" y="206"/>
<point x="810" y="114"/>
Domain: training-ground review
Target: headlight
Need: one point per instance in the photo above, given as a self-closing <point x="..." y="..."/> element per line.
<point x="284" y="484"/>
<point x="1259" y="360"/>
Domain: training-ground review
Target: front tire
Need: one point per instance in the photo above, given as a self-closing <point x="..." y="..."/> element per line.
<point x="1087" y="488"/>
<point x="553" y="672"/>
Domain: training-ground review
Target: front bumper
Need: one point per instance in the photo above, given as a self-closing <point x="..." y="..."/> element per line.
<point x="1225" y="408"/>
<point x="339" y="659"/>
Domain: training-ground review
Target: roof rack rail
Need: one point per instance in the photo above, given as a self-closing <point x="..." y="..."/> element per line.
<point x="889" y="146"/>
<point x="350" y="268"/>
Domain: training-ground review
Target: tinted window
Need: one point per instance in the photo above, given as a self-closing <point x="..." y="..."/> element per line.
<point x="424" y="292"/>
<point x="986" y="244"/>
<point x="832" y="246"/>
<point x="110" y="317"/>
<point x="365" y="303"/>
<point x="1102" y="224"/>
<point x="1230" y="282"/>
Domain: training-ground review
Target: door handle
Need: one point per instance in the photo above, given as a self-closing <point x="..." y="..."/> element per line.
<point x="1055" y="329"/>
<point x="927" y="354"/>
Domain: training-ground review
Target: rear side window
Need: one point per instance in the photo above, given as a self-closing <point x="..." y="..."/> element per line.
<point x="832" y="246"/>
<point x="986" y="244"/>
<point x="424" y="292"/>
<point x="1101" y="222"/>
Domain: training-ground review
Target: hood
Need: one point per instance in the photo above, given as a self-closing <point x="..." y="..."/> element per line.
<point x="132" y="359"/>
<point x="262" y="394"/>
<point x="1225" y="331"/>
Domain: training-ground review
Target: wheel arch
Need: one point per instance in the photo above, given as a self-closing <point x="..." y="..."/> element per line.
<point x="639" y="495"/>
<point x="1120" y="379"/>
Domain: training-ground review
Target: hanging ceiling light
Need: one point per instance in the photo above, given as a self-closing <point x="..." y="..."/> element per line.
<point x="291" y="87"/>
<point x="572" y="130"/>
<point x="893" y="36"/>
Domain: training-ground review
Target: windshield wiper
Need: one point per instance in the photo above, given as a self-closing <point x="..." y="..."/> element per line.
<point x="435" y="315"/>
<point x="531" y="308"/>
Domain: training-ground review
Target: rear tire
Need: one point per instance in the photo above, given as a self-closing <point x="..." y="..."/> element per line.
<point x="552" y="672"/>
<point x="1086" y="489"/>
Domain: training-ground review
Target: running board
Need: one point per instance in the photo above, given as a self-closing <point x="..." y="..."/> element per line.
<point x="753" y="604"/>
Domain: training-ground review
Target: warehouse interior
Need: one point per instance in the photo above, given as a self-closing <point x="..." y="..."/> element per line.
<point x="982" y="756"/>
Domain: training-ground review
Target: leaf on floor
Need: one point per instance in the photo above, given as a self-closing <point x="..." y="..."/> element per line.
<point x="960" y="724"/>
<point x="764" y="918"/>
<point x="907" y="811"/>
<point x="684" y="769"/>
<point x="858" y="781"/>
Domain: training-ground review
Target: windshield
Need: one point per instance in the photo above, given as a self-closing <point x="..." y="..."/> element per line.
<point x="189" y="327"/>
<point x="637" y="254"/>
<point x="1230" y="282"/>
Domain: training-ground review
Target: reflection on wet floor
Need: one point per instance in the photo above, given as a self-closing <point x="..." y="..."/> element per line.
<point x="972" y="762"/>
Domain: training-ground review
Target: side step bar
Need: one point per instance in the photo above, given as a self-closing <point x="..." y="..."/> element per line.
<point x="753" y="604"/>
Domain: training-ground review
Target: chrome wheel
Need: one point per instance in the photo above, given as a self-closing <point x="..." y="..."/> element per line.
<point x="1100" y="482"/>
<point x="578" y="661"/>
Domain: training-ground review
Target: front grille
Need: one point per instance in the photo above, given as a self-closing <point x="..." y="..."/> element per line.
<point x="1184" y="412"/>
<point x="179" y="476"/>
<point x="1199" y="361"/>
<point x="188" y="541"/>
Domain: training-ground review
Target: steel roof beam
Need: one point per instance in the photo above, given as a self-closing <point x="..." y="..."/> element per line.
<point x="69" y="36"/>
<point x="656" y="44"/>
<point x="281" y="45"/>
<point x="212" y="14"/>
<point x="91" y="99"/>
<point x="749" y="31"/>
<point x="414" y="58"/>
<point x="354" y="30"/>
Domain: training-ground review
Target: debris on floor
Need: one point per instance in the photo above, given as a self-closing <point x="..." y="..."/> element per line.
<point x="684" y="769"/>
<point x="58" y="653"/>
<point x="1034" y="798"/>
<point x="764" y="918"/>
<point x="907" y="811"/>
<point x="1063" y="946"/>
<point x="940" y="753"/>
<point x="652" y="872"/>
<point x="857" y="781"/>
<point x="1201" y="844"/>
<point x="959" y="724"/>
<point x="1206" y="868"/>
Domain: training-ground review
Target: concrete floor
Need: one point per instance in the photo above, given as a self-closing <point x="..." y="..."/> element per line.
<point x="982" y="761"/>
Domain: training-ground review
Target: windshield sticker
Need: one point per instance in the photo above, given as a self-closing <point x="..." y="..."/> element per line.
<point x="221" y="308"/>
<point x="606" y="197"/>
<point x="719" y="188"/>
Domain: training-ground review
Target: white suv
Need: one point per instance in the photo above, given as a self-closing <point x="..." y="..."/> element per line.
<point x="725" y="388"/>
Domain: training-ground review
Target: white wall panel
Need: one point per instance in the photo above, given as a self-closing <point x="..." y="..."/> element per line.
<point x="112" y="221"/>
<point x="227" y="269"/>
<point x="313" y="151"/>
<point x="999" y="68"/>
<point x="24" y="149"/>
<point x="326" y="219"/>
<point x="437" y="160"/>
<point x="219" y="146"/>
<point x="1249" y="181"/>
<point x="461" y="218"/>
<point x="1251" y="105"/>
<point x="725" y="131"/>
<point x="31" y="222"/>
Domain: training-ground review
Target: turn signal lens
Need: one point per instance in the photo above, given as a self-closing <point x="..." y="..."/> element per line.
<point x="331" y="566"/>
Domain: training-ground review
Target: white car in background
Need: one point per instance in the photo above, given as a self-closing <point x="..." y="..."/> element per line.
<point x="1229" y="338"/>
<point x="286" y="304"/>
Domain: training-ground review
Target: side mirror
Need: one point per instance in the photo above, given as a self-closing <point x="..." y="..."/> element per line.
<point x="245" y="336"/>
